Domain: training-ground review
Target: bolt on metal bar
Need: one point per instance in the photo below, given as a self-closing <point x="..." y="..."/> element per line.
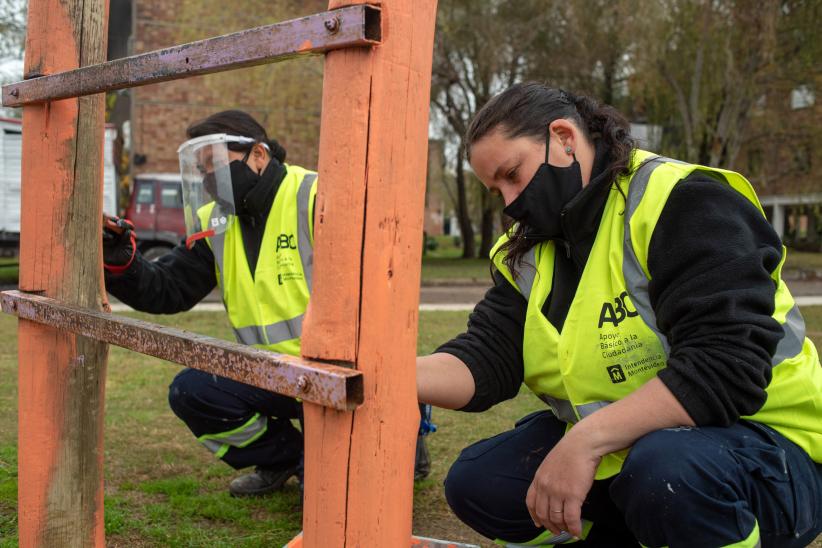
<point x="324" y="384"/>
<point x="353" y="26"/>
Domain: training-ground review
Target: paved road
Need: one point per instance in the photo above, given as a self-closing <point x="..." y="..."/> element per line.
<point x="464" y="297"/>
<point x="431" y="298"/>
<point x="804" y="288"/>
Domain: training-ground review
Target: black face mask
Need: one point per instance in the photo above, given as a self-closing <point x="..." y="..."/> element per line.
<point x="539" y="206"/>
<point x="243" y="179"/>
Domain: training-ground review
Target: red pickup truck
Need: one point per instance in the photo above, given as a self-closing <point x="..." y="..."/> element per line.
<point x="156" y="209"/>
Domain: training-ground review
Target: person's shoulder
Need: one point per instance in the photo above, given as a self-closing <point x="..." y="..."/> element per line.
<point x="296" y="168"/>
<point x="701" y="188"/>
<point x="701" y="204"/>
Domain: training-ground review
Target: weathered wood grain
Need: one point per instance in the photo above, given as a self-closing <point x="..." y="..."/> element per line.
<point x="61" y="375"/>
<point x="368" y="226"/>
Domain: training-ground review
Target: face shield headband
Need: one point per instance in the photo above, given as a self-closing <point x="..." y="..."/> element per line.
<point x="208" y="198"/>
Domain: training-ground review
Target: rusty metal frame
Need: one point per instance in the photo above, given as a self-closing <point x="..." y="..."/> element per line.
<point x="324" y="384"/>
<point x="353" y="26"/>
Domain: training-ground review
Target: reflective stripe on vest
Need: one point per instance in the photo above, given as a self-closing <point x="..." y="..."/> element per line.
<point x="218" y="242"/>
<point x="272" y="333"/>
<point x="565" y="411"/>
<point x="525" y="280"/>
<point x="635" y="279"/>
<point x="242" y="436"/>
<point x="286" y="329"/>
<point x="791" y="344"/>
<point x="304" y="246"/>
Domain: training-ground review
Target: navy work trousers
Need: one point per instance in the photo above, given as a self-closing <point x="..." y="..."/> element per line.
<point x="209" y="405"/>
<point x="688" y="487"/>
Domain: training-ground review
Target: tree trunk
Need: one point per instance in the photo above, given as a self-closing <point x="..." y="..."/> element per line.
<point x="487" y="227"/>
<point x="468" y="246"/>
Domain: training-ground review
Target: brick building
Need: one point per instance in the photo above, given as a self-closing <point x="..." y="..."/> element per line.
<point x="285" y="98"/>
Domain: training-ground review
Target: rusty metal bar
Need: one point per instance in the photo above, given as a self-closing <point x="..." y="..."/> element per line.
<point x="353" y="26"/>
<point x="328" y="385"/>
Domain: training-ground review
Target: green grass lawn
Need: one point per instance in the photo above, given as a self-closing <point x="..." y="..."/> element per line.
<point x="443" y="270"/>
<point x="9" y="269"/>
<point x="803" y="260"/>
<point x="444" y="247"/>
<point x="445" y="265"/>
<point x="164" y="489"/>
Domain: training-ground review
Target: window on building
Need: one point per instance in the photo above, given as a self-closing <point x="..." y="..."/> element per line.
<point x="802" y="97"/>
<point x="145" y="193"/>
<point x="755" y="162"/>
<point x="802" y="158"/>
<point x="759" y="105"/>
<point x="802" y="228"/>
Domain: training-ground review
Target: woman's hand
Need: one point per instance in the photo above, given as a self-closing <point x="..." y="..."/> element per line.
<point x="561" y="484"/>
<point x="565" y="476"/>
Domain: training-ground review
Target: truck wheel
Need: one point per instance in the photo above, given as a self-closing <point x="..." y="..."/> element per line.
<point x="155" y="252"/>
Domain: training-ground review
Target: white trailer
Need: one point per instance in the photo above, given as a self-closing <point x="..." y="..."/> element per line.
<point x="11" y="149"/>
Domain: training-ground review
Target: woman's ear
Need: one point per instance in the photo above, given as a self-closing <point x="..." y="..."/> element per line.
<point x="259" y="158"/>
<point x="563" y="131"/>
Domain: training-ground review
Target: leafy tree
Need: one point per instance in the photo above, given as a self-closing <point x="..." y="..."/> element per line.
<point x="706" y="67"/>
<point x="12" y="28"/>
<point x="481" y="48"/>
<point x="588" y="48"/>
<point x="485" y="47"/>
<point x="12" y="42"/>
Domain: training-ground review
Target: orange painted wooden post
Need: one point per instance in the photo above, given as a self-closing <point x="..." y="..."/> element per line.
<point x="62" y="376"/>
<point x="363" y="311"/>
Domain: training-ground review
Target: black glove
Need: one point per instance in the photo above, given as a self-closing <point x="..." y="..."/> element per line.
<point x="119" y="244"/>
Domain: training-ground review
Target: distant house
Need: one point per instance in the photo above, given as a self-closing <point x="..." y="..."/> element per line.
<point x="781" y="156"/>
<point x="285" y="98"/>
<point x="783" y="160"/>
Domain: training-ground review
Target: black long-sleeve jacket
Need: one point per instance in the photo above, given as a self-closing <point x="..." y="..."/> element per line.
<point x="710" y="257"/>
<point x="180" y="279"/>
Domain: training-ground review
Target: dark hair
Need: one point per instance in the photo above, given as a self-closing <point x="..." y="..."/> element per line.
<point x="236" y="122"/>
<point x="526" y="110"/>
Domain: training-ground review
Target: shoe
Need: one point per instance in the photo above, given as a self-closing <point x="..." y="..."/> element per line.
<point x="422" y="461"/>
<point x="261" y="481"/>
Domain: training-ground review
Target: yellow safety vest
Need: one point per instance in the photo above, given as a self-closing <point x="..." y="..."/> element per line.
<point x="266" y="310"/>
<point x="610" y="344"/>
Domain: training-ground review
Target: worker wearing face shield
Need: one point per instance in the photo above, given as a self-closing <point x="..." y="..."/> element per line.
<point x="249" y="231"/>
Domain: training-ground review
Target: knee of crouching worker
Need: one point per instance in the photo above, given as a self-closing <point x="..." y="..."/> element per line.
<point x="181" y="389"/>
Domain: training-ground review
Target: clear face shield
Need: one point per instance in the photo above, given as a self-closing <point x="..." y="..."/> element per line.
<point x="208" y="198"/>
